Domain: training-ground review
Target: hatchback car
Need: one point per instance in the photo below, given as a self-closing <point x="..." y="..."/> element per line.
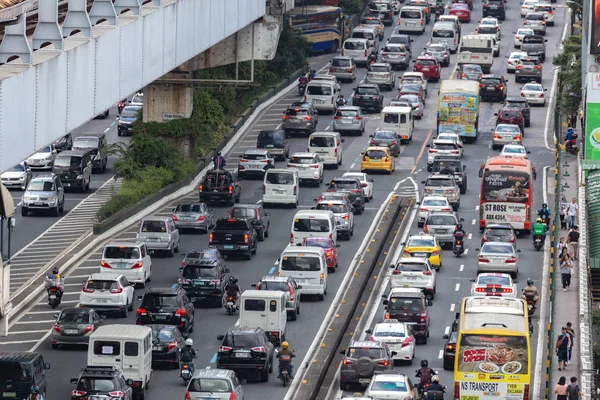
<point x="513" y="59"/>
<point x="246" y="350"/>
<point x="442" y="225"/>
<point x="44" y="193"/>
<point x="492" y="87"/>
<point x="195" y="216"/>
<point x="108" y="293"/>
<point x="344" y="216"/>
<point x="159" y="233"/>
<point x="534" y="93"/>
<point x="512" y="116"/>
<point x="498" y="257"/>
<point x="285" y="284"/>
<point x="328" y="246"/>
<point x="392" y="386"/>
<point x="74" y="326"/>
<point x="439" y="51"/>
<point x="132" y="259"/>
<point x="214" y="383"/>
<point x="101" y="382"/>
<point x="536" y="21"/>
<point x="442" y="148"/>
<point x="494" y="8"/>
<point x="414" y="272"/>
<point x="299" y="118"/>
<point x="527" y="6"/>
<point x="499" y="233"/>
<point x="377" y="158"/>
<point x="522" y="104"/>
<point x="520" y="34"/>
<point x="432" y="204"/>
<point x="167" y="343"/>
<point x="409" y="305"/>
<point x="429" y="66"/>
<point x="349" y="119"/>
<point x="17" y="176"/>
<point x="381" y="74"/>
<point x="353" y="188"/>
<point x="387" y="139"/>
<point x="426" y="246"/>
<point x="494" y="284"/>
<point x="506" y="134"/>
<point x="276" y="141"/>
<point x="514" y="150"/>
<point x="399" y="338"/>
<point x="461" y="11"/>
<point x="529" y="69"/>
<point x="255" y="163"/>
<point x="396" y="54"/>
<point x="366" y="182"/>
<point x="368" y="97"/>
<point x="343" y="68"/>
<point x="472" y="72"/>
<point x="361" y="360"/>
<point x="169" y="306"/>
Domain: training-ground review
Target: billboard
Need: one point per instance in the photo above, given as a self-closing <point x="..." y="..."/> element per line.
<point x="595" y="42"/>
<point x="592" y="114"/>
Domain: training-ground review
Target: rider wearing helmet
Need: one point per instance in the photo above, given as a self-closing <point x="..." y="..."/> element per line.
<point x="435" y="384"/>
<point x="35" y="393"/>
<point x="54" y="274"/>
<point x="425" y="374"/>
<point x="232" y="289"/>
<point x="219" y="161"/>
<point x="285" y="351"/>
<point x="54" y="279"/>
<point x="539" y="229"/>
<point x="544" y="212"/>
<point x="187" y="354"/>
<point x="530" y="288"/>
<point x="569" y="134"/>
<point x="459" y="233"/>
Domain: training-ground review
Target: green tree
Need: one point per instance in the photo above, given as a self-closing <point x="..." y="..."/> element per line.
<point x="569" y="63"/>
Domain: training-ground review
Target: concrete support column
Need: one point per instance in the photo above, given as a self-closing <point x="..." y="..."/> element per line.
<point x="165" y="102"/>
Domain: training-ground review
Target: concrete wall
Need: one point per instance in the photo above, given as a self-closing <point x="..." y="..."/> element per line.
<point x="62" y="90"/>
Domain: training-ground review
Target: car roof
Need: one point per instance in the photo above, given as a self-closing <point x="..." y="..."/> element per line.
<point x="366" y="343"/>
<point x="389" y="377"/>
<point x="426" y="58"/>
<point x="443" y="141"/>
<point x="451" y="213"/>
<point x="124" y="243"/>
<point x="241" y="205"/>
<point x="421" y="235"/>
<point x="505" y="244"/>
<point x="492" y="76"/>
<point x="75" y="152"/>
<point x="164" y="290"/>
<point x="104" y="276"/>
<point x="406" y="292"/>
<point x="435" y="198"/>
<point x="275" y="278"/>
<point x="44" y="177"/>
<point x="514" y="99"/>
<point x="369" y="85"/>
<point x="498" y="226"/>
<point x="256" y="151"/>
<point x="353" y="108"/>
<point x="330" y="201"/>
<point x="304" y="154"/>
<point x="90" y="135"/>
<point x="244" y="329"/>
<point x="213" y="373"/>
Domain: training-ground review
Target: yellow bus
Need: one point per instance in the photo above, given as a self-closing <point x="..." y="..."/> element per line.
<point x="493" y="354"/>
<point x="321" y="26"/>
<point x="458" y="108"/>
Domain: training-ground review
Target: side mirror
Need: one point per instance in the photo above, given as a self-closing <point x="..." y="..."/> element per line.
<point x="394" y="353"/>
<point x="403" y="244"/>
<point x="369" y="331"/>
<point x="47" y="366"/>
<point x="480" y="173"/>
<point x="74" y="381"/>
<point x="151" y="252"/>
<point x="428" y="145"/>
<point x="267" y="214"/>
<point x="343" y="140"/>
<point x="103" y="316"/>
<point x="545" y="40"/>
<point x="528" y="152"/>
<point x="462" y="220"/>
<point x="392" y="266"/>
<point x="370" y="135"/>
<point x="446" y="337"/>
<point x="118" y="118"/>
<point x="429" y="303"/>
<point x="385" y="302"/>
<point x="83" y="283"/>
<point x="471" y="280"/>
<point x="241" y="156"/>
<point x="423" y="182"/>
<point x="338" y="245"/>
<point x="518" y="251"/>
<point x="313" y="208"/>
<point x="545" y="90"/>
<point x="220" y="337"/>
<point x="140" y="298"/>
<point x="495" y="114"/>
<point x="515" y="281"/>
<point x="226" y="270"/>
<point x="132" y="284"/>
<point x="464" y="167"/>
<point x="343" y="352"/>
<point x="371" y="180"/>
<point x="477" y="249"/>
<point x="56" y="315"/>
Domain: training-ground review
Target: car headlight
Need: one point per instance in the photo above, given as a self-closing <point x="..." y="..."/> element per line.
<point x="22" y="178"/>
<point x="52" y="199"/>
<point x="48" y="157"/>
<point x="27" y="198"/>
<point x="79" y="176"/>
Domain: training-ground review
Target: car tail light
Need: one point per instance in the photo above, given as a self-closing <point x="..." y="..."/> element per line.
<point x="137" y="265"/>
<point x="243" y="160"/>
<point x="421" y="22"/>
<point x="423" y="317"/>
<point x="538" y="67"/>
<point x="331" y="70"/>
<point x="315" y="166"/>
<point x="517" y="137"/>
<point x="525" y="392"/>
<point x="331" y="99"/>
<point x="342" y="52"/>
<point x="175" y="216"/>
<point x="104" y="264"/>
<point x="501" y="87"/>
<point x="230" y="189"/>
<point x="349" y="70"/>
<point x="116" y="394"/>
<point x="187" y="395"/>
<point x="172" y="345"/>
<point x="496" y="136"/>
<point x="290" y="165"/>
<point x="423" y="209"/>
<point x="512" y="239"/>
<point x="454" y="152"/>
<point x="425" y="229"/>
<point x="387" y="159"/>
<point x="304" y="98"/>
<point x="449" y="191"/>
<point x="385" y="363"/>
<point x="507" y="290"/>
<point x="335" y="151"/>
<point x="116" y="291"/>
<point x="373" y="143"/>
<point x="511" y="260"/>
<point x="260" y="349"/>
<point x="483" y="259"/>
<point x="184" y="281"/>
<point x="383" y="54"/>
<point x="180" y="313"/>
<point x="433" y="151"/>
<point x="285" y="117"/>
<point x="396" y="272"/>
<point x="406" y="253"/>
<point x="347" y="362"/>
<point x="451" y="347"/>
<point x="522" y="94"/>
<point x="264" y="189"/>
<point x="480" y="290"/>
<point x="394" y="143"/>
<point x="542" y="95"/>
<point x="246" y="238"/>
<point x="292" y="238"/>
<point x="426" y="272"/>
<point x="223" y="349"/>
<point x="210" y="239"/>
<point x="365" y="52"/>
<point x="484" y="238"/>
<point x="200" y="188"/>
<point x="345" y="216"/>
<point x="141" y="311"/>
<point x="291" y="292"/>
<point x="407" y="341"/>
<point x="322" y="278"/>
<point x="463" y="75"/>
<point x="56" y="328"/>
<point x="86" y="290"/>
<point x="446" y="209"/>
<point x="232" y="396"/>
<point x="77" y="393"/>
<point x="337" y="117"/>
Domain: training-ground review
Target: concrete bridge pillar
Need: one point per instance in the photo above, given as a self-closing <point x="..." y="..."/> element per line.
<point x="166" y="102"/>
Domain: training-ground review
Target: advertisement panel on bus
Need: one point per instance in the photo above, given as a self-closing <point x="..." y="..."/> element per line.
<point x="458" y="113"/>
<point x="505" y="196"/>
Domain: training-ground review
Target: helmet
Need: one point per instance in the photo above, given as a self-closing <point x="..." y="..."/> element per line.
<point x="233" y="279"/>
<point x="35" y="389"/>
<point x="218" y="153"/>
<point x="424" y="363"/>
<point x="545" y="205"/>
<point x="529" y="282"/>
<point x="459" y="226"/>
<point x="55" y="271"/>
<point x="189" y="342"/>
<point x="538" y="219"/>
<point x="435" y="379"/>
<point x="285" y="345"/>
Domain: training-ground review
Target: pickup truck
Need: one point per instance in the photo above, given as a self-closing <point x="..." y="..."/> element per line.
<point x="475" y="49"/>
<point x="452" y="166"/>
<point x="534" y="45"/>
<point x="220" y="185"/>
<point x="233" y="236"/>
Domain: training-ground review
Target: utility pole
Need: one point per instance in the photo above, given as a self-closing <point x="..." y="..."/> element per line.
<point x="7" y="223"/>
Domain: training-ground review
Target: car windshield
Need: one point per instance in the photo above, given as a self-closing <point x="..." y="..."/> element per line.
<point x="280" y="178"/>
<point x="11" y="371"/>
<point x="346" y="113"/>
<point x="425" y="63"/>
<point x="394" y="49"/>
<point x="319" y="90"/>
<point x="490" y="81"/>
<point x="386" y="331"/>
<point x="493" y="248"/>
<point x="75" y="317"/>
<point x="300" y="263"/>
<point x="122" y="252"/>
<point x="359" y="352"/>
<point x="379" y="68"/>
<point x="254" y="156"/>
<point x="472" y="69"/>
<point x="129" y="112"/>
<point x="162" y="333"/>
<point x="399" y="39"/>
<point x="311" y="225"/>
<point x="410" y="14"/>
<point x="100" y="385"/>
<point x="154" y="226"/>
<point x="513" y="150"/>
<point x="410" y="304"/>
<point x="340" y="62"/>
<point x="83" y="143"/>
<point x="524" y="32"/>
<point x="334" y="208"/>
<point x="159" y="300"/>
<point x="278" y="286"/>
<point x="443" y="146"/>
<point x="533" y="88"/>
<point x="101" y="285"/>
<point x="419" y="242"/>
<point x="367" y="90"/>
<point x="322" y="141"/>
<point x="201" y="271"/>
<point x="410" y="88"/>
<point x="363" y="35"/>
<point x="189" y="208"/>
<point x="354" y="45"/>
<point x="533" y="39"/>
<point x="409" y="97"/>
<point x="534" y="17"/>
<point x="441" y="33"/>
<point x="441" y="220"/>
<point x="41" y="186"/>
<point x="343" y="185"/>
<point x="511" y="114"/>
<point x="394" y="386"/>
<point x="387" y="135"/>
<point x="412" y="267"/>
<point x="207" y="254"/>
<point x="138" y="98"/>
<point x="435" y="202"/>
<point x="240" y="340"/>
<point x="210" y="386"/>
<point x="440" y="182"/>
<point x="436" y="48"/>
<point x="496" y="231"/>
<point x="507" y="128"/>
<point x="487" y="29"/>
<point x="18" y="168"/>
<point x="375" y="154"/>
<point x="517" y="56"/>
<point x="67" y="161"/>
<point x="317" y="243"/>
<point x="493" y="280"/>
<point x="243" y="212"/>
<point x="302" y="160"/>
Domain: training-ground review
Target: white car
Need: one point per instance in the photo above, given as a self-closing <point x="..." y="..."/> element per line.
<point x="391" y="386"/>
<point x="522" y="32"/>
<point x="396" y="6"/>
<point x="129" y="258"/>
<point x="137" y="100"/>
<point x="328" y="78"/>
<point x="17" y="177"/>
<point x="490" y="21"/>
<point x="534" y="93"/>
<point x="108" y="293"/>
<point x="493" y="284"/>
<point x="455" y="137"/>
<point x="489" y="29"/>
<point x="528" y="6"/>
<point x="431" y="204"/>
<point x="514" y="150"/>
<point x="309" y="167"/>
<point x="416" y="273"/>
<point x="43" y="159"/>
<point x="365" y="180"/>
<point x="399" y="338"/>
<point x="446" y="148"/>
<point x="548" y="11"/>
<point x="513" y="59"/>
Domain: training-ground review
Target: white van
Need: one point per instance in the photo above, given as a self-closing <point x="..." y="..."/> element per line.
<point x="265" y="309"/>
<point x="445" y="32"/>
<point x="358" y="49"/>
<point x="281" y="186"/>
<point x="399" y="120"/>
<point x="328" y="145"/>
<point x="308" y="266"/>
<point x="313" y="223"/>
<point x="367" y="32"/>
<point x="411" y="19"/>
<point x="127" y="348"/>
<point x="130" y="259"/>
<point x="322" y="94"/>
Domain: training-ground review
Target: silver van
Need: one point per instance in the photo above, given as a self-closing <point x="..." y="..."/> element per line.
<point x="343" y="68"/>
<point x="411" y="20"/>
<point x="367" y="32"/>
<point x="358" y="49"/>
<point x="159" y="233"/>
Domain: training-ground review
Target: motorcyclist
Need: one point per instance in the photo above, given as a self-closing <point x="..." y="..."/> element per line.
<point x="311" y="74"/>
<point x="459" y="233"/>
<point x="530" y="288"/>
<point x="303" y="80"/>
<point x="539" y="229"/>
<point x="341" y="101"/>
<point x="569" y="134"/>
<point x="544" y="212"/>
<point x="35" y="393"/>
<point x="187" y="355"/>
<point x="425" y="374"/>
<point x="232" y="289"/>
<point x="219" y="161"/>
<point x="54" y="279"/>
<point x="435" y="384"/>
<point x="285" y="351"/>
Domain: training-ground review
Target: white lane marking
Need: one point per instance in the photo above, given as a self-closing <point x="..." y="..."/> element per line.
<point x="106" y="130"/>
<point x="457" y="287"/>
<point x="46" y="321"/>
<point x="21" y="341"/>
<point x="452" y="307"/>
<point x="327" y="127"/>
<point x="462" y="267"/>
<point x="466" y="251"/>
<point x="26" y="332"/>
<point x="446" y="331"/>
<point x="473" y="222"/>
<point x="353" y="165"/>
<point x="441" y="355"/>
<point x="477" y="208"/>
<point x="470" y="236"/>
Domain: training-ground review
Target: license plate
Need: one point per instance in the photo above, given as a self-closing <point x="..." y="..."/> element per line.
<point x="187" y="218"/>
<point x="152" y="239"/>
<point x="347" y="120"/>
<point x="440" y="231"/>
<point x="52" y="296"/>
<point x="71" y="331"/>
<point x="270" y="146"/>
<point x="9" y="394"/>
<point x="299" y="280"/>
<point x="199" y="283"/>
<point x="420" y="254"/>
<point x="102" y="300"/>
<point x="411" y="278"/>
<point x="364" y="381"/>
<point x="319" y="101"/>
<point x="38" y="203"/>
<point x="490" y="89"/>
<point x="256" y="166"/>
<point x="242" y="355"/>
<point x="411" y="23"/>
<point x="393" y="56"/>
<point x="121" y="265"/>
<point x="425" y="69"/>
<point x="160" y="317"/>
<point x="228" y="247"/>
<point x="538" y="240"/>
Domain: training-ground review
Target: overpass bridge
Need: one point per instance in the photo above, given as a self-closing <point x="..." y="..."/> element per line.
<point x="83" y="56"/>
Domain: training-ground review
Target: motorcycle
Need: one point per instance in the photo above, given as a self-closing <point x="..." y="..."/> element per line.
<point x="53" y="287"/>
<point x="571" y="145"/>
<point x="530" y="299"/>
<point x="538" y="242"/>
<point x="301" y="88"/>
<point x="284" y="367"/>
<point x="121" y="105"/>
<point x="230" y="305"/>
<point x="433" y="394"/>
<point x="186" y="371"/>
<point x="458" y="247"/>
<point x="422" y="387"/>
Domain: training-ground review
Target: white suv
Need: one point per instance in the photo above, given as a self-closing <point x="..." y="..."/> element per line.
<point x="108" y="293"/>
<point x="131" y="259"/>
<point x="309" y="166"/>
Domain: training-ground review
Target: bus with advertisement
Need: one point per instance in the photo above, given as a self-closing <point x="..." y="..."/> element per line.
<point x="506" y="192"/>
<point x="493" y="352"/>
<point x="458" y="108"/>
<point x="321" y="26"/>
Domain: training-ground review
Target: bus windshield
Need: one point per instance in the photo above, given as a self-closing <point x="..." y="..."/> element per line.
<point x="508" y="186"/>
<point x="493" y="354"/>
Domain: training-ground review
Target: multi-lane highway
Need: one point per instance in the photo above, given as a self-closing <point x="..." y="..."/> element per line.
<point x="30" y="331"/>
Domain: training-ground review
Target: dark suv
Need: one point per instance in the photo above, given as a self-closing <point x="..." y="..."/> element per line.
<point x="353" y="187"/>
<point x="492" y="87"/>
<point x="167" y="306"/>
<point x="246" y="350"/>
<point x="276" y="142"/>
<point x="74" y="168"/>
<point x="494" y="8"/>
<point x="96" y="144"/>
<point x="299" y="117"/>
<point x="450" y="347"/>
<point x="522" y="104"/>
<point x="410" y="306"/>
<point x="362" y="360"/>
<point x="383" y="10"/>
<point x="203" y="275"/>
<point x="256" y="215"/>
<point x="368" y="96"/>
<point x="101" y="381"/>
<point x="511" y="115"/>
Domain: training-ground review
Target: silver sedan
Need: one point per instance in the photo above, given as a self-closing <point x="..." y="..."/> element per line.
<point x="506" y="134"/>
<point x="349" y="119"/>
<point x="417" y="105"/>
<point x="193" y="216"/>
<point x="498" y="257"/>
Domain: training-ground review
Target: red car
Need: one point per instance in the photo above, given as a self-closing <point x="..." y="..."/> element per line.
<point x="461" y="11"/>
<point x="467" y="2"/>
<point x="429" y="66"/>
<point x="328" y="247"/>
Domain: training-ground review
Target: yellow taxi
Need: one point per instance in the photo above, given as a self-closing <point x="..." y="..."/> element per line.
<point x="424" y="246"/>
<point x="377" y="159"/>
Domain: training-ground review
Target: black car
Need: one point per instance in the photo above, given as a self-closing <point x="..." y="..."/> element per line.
<point x="492" y="87"/>
<point x="494" y="8"/>
<point x="126" y="119"/>
<point x="255" y="213"/>
<point x="246" y="350"/>
<point x="353" y="188"/>
<point x="169" y="306"/>
<point x="64" y="143"/>
<point x="167" y="342"/>
<point x="101" y="381"/>
<point x="203" y="275"/>
<point x="276" y="142"/>
<point x="389" y="139"/>
<point x="472" y="72"/>
<point x="96" y="144"/>
<point x="522" y="104"/>
<point x="368" y="96"/>
<point x="450" y="350"/>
